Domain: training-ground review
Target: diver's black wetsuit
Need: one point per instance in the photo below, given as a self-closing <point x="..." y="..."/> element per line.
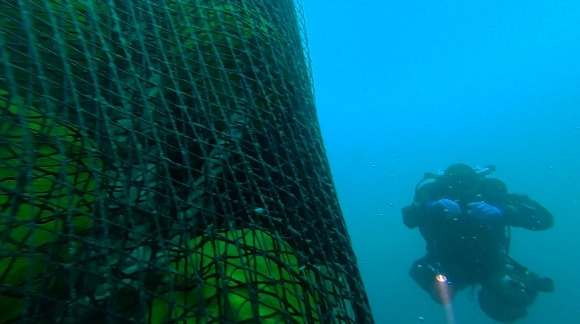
<point x="468" y="251"/>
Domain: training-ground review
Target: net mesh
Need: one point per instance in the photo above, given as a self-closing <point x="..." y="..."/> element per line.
<point x="161" y="162"/>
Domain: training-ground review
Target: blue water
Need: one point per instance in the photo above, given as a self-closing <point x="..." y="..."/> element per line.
<point x="405" y="87"/>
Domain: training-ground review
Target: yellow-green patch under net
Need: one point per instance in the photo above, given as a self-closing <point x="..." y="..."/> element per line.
<point x="46" y="194"/>
<point x="241" y="276"/>
<point x="46" y="183"/>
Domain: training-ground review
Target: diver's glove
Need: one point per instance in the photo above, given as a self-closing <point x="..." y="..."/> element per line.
<point x="486" y="213"/>
<point x="443" y="208"/>
<point x="544" y="284"/>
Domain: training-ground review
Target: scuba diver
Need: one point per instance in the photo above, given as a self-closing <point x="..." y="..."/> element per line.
<point x="464" y="218"/>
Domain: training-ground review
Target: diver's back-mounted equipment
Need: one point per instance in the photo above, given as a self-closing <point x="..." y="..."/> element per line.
<point x="428" y="177"/>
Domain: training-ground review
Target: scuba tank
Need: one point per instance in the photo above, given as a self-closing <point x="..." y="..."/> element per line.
<point x="429" y="177"/>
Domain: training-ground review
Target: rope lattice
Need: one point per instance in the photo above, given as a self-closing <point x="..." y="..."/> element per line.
<point x="161" y="162"/>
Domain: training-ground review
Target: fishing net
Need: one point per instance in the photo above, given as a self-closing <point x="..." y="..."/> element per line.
<point x="161" y="162"/>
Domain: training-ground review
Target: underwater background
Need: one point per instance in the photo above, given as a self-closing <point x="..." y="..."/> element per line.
<point x="407" y="87"/>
